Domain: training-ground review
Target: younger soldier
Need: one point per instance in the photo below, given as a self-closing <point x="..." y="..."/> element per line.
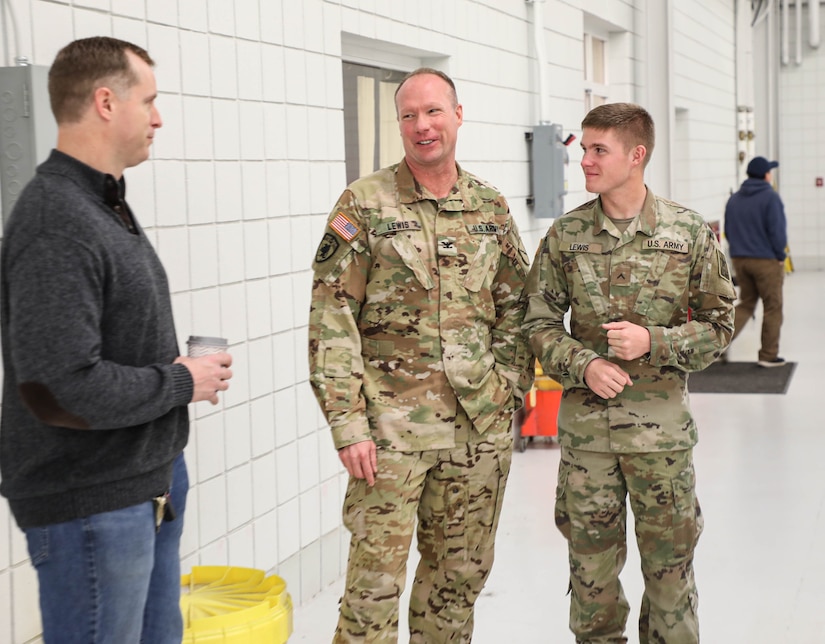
<point x="650" y="300"/>
<point x="418" y="363"/>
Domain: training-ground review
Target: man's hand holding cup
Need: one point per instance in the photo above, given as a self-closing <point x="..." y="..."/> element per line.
<point x="209" y="364"/>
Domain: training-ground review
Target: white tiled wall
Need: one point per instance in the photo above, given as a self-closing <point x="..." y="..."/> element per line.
<point x="704" y="90"/>
<point x="801" y="97"/>
<point x="250" y="161"/>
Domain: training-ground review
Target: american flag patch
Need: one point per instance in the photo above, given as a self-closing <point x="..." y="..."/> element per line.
<point x="344" y="227"/>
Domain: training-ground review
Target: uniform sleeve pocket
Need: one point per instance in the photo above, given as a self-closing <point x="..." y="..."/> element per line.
<point x="337" y="362"/>
<point x="338" y="379"/>
<point x="716" y="278"/>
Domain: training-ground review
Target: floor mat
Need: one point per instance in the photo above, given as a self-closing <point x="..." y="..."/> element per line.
<point x="741" y="378"/>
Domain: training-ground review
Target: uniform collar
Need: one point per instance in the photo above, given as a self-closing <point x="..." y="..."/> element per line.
<point x="461" y="197"/>
<point x="645" y="222"/>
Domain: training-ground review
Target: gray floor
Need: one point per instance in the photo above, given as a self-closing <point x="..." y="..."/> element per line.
<point x="761" y="482"/>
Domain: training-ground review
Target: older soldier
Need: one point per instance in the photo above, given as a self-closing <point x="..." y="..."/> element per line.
<point x="417" y="361"/>
<point x="650" y="300"/>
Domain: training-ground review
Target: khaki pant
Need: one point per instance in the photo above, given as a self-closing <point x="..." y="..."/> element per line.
<point x="455" y="497"/>
<point x="591" y="513"/>
<point x="760" y="278"/>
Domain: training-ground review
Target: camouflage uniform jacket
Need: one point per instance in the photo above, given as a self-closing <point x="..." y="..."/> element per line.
<point x="666" y="263"/>
<point x="416" y="307"/>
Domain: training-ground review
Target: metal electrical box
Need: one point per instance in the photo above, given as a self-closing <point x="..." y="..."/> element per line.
<point x="548" y="163"/>
<point x="28" y="131"/>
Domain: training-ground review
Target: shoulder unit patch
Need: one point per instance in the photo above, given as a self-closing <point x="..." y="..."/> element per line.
<point x="326" y="248"/>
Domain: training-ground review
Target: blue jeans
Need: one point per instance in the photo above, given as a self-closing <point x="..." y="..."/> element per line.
<point x="109" y="577"/>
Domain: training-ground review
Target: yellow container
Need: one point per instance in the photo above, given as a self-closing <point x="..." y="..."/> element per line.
<point x="545" y="383"/>
<point x="232" y="605"/>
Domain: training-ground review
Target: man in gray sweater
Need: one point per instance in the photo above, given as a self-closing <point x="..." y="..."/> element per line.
<point x="95" y="393"/>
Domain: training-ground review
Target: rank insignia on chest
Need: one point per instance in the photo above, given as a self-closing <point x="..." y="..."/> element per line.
<point x="620" y="276"/>
<point x="344" y="226"/>
<point x="447" y="247"/>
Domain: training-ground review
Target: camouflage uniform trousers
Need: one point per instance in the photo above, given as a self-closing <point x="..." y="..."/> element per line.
<point x="455" y="495"/>
<point x="591" y="513"/>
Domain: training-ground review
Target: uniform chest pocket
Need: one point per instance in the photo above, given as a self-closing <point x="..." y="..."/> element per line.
<point x="484" y="264"/>
<point x="587" y="277"/>
<point x="409" y="255"/>
<point x="669" y="273"/>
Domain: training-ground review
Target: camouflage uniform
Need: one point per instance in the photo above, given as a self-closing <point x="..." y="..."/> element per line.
<point x="414" y="342"/>
<point x="665" y="272"/>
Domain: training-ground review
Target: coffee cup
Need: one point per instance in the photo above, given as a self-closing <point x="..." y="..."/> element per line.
<point x="202" y="345"/>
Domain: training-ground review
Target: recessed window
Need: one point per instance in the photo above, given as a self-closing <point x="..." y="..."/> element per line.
<point x="371" y="133"/>
<point x="595" y="72"/>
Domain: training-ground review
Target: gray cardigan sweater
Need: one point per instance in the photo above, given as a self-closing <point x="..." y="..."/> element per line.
<point x="93" y="412"/>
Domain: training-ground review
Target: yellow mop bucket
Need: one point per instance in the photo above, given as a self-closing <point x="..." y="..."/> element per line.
<point x="233" y="605"/>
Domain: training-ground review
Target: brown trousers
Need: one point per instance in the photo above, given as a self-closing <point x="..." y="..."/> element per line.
<point x="760" y="278"/>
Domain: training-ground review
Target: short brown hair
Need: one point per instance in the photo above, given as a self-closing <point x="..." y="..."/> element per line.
<point x="434" y="72"/>
<point x="632" y="124"/>
<point x="83" y="66"/>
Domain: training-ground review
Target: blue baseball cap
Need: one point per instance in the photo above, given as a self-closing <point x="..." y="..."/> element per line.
<point x="760" y="166"/>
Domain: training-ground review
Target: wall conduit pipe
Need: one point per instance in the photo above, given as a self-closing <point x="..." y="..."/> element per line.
<point x="541" y="62"/>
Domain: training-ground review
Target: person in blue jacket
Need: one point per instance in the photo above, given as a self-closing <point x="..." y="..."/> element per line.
<point x="757" y="236"/>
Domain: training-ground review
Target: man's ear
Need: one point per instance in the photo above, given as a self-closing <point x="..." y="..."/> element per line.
<point x="639" y="155"/>
<point x="104" y="102"/>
